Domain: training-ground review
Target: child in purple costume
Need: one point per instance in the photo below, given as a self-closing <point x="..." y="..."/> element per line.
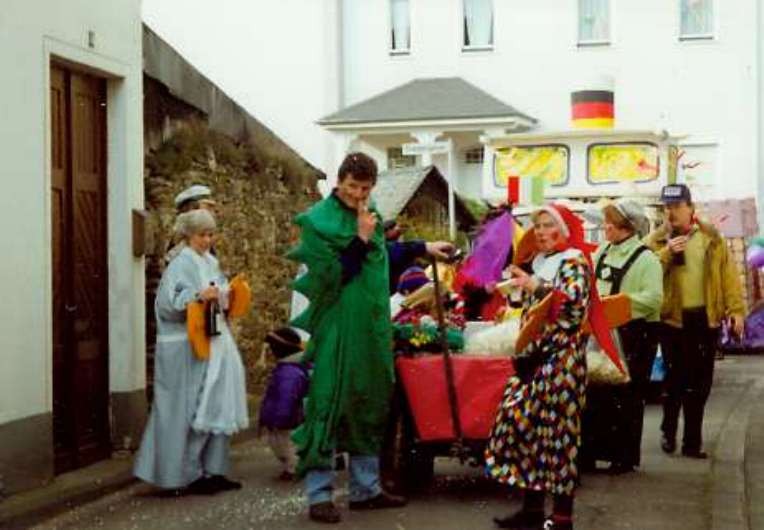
<point x="281" y="410"/>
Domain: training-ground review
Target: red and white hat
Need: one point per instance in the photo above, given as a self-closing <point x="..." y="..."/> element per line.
<point x="571" y="225"/>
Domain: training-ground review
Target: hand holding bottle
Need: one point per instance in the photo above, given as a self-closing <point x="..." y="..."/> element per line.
<point x="210" y="293"/>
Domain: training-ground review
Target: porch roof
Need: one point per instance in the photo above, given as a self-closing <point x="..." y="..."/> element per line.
<point x="427" y="100"/>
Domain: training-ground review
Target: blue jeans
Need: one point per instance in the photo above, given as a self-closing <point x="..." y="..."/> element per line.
<point x="364" y="480"/>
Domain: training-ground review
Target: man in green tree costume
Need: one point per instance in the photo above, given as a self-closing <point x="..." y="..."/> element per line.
<point x="348" y="318"/>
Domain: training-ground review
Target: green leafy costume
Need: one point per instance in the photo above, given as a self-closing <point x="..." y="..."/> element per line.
<point x="351" y="339"/>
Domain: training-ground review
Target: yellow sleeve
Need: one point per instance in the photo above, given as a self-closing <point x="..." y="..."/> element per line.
<point x="732" y="292"/>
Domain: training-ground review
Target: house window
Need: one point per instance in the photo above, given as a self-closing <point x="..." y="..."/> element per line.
<point x="697" y="19"/>
<point x="397" y="160"/>
<point x="400" y="27"/>
<point x="473" y="156"/>
<point x="593" y="22"/>
<point x="623" y="162"/>
<point x="478" y="24"/>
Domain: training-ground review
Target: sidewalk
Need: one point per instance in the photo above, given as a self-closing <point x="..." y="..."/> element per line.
<point x="65" y="492"/>
<point x="669" y="492"/>
<point x="73" y="489"/>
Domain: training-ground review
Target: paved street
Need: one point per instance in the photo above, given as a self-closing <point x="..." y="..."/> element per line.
<point x="667" y="493"/>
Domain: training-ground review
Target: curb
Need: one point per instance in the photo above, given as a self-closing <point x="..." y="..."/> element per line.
<point x="65" y="492"/>
<point x="754" y="464"/>
<point x="77" y="487"/>
<point x="728" y="488"/>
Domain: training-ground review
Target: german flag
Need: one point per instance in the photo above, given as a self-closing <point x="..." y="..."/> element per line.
<point x="593" y="109"/>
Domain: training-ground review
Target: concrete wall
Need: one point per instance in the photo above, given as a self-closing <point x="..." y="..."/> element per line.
<point x="37" y="32"/>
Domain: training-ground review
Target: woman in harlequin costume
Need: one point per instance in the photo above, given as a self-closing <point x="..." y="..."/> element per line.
<point x="535" y="440"/>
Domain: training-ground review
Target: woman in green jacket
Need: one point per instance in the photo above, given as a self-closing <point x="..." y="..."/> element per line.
<point x="612" y="424"/>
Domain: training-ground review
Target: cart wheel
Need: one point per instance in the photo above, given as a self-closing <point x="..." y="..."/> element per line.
<point x="423" y="470"/>
<point x="405" y="468"/>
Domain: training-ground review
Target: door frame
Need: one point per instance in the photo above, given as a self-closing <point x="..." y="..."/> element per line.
<point x="73" y="455"/>
<point x="125" y="327"/>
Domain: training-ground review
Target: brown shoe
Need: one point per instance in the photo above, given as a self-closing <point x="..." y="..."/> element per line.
<point x="286" y="476"/>
<point x="324" y="512"/>
<point x="383" y="500"/>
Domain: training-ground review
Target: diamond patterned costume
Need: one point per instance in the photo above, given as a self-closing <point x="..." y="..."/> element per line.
<point x="535" y="441"/>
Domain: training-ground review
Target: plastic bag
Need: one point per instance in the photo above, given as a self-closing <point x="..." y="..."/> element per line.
<point x="600" y="370"/>
<point x="495" y="340"/>
<point x="658" y="372"/>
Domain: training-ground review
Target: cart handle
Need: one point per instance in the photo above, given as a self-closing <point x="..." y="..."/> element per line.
<point x="450" y="386"/>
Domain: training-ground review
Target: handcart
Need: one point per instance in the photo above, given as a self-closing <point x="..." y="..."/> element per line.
<point x="444" y="405"/>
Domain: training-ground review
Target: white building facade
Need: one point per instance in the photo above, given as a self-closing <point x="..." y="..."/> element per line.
<point x="688" y="67"/>
<point x="684" y="66"/>
<point x="691" y="68"/>
<point x="72" y="331"/>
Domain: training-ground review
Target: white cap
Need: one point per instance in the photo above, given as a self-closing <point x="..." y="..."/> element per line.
<point x="193" y="193"/>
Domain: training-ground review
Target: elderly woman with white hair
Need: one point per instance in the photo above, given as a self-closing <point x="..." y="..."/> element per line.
<point x="534" y="442"/>
<point x="198" y="404"/>
<point x="612" y="425"/>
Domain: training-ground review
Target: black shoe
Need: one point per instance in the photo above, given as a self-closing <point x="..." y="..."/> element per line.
<point x="618" y="468"/>
<point x="324" y="512"/>
<point x="668" y="444"/>
<point x="225" y="484"/>
<point x="381" y="501"/>
<point x="521" y="520"/>
<point x="174" y="492"/>
<point x="694" y="453"/>
<point x="203" y="486"/>
<point x="549" y="524"/>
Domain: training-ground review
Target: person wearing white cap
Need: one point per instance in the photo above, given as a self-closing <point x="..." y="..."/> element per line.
<point x="192" y="198"/>
<point x="612" y="427"/>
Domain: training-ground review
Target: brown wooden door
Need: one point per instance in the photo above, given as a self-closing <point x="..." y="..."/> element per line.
<point x="80" y="275"/>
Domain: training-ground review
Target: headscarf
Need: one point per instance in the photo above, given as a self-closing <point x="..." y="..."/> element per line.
<point x="572" y="228"/>
<point x="634" y="213"/>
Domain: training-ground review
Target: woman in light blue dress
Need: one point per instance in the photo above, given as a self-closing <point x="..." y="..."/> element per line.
<point x="198" y="404"/>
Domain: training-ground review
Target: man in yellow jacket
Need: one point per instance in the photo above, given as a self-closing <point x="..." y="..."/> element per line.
<point x="701" y="287"/>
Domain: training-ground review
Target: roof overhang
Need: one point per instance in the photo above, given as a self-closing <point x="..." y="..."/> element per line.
<point x="509" y="123"/>
<point x="657" y="136"/>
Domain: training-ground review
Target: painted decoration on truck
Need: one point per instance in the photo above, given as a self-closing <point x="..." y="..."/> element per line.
<point x="623" y="162"/>
<point x="549" y="162"/>
<point x="696" y="165"/>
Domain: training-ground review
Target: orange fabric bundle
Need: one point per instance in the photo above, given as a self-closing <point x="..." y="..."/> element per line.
<point x="197" y="336"/>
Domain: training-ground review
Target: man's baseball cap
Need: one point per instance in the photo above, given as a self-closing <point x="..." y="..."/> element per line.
<point x="674" y="193"/>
